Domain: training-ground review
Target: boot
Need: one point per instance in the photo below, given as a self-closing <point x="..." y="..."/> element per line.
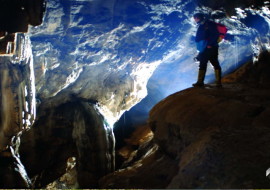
<point x="218" y="78"/>
<point x="201" y="75"/>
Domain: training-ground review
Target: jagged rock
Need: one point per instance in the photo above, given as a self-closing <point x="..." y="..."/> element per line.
<point x="218" y="137"/>
<point x="107" y="56"/>
<point x="158" y="173"/>
<point x="16" y="15"/>
<point x="12" y="172"/>
<point x="135" y="147"/>
<point x="73" y="129"/>
<point x="229" y="6"/>
<point x="18" y="108"/>
<point x="108" y="51"/>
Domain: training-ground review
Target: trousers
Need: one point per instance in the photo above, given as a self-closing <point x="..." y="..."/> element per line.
<point x="209" y="54"/>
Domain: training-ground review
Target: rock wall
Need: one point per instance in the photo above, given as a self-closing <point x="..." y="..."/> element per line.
<point x="74" y="129"/>
<point x="16" y="15"/>
<point x="218" y="137"/>
<point x="18" y="107"/>
<point x="107" y="50"/>
<point x="96" y="57"/>
<point x="230" y="6"/>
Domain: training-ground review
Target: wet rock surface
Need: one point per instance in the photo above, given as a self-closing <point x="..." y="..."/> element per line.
<point x="12" y="173"/>
<point x="107" y="50"/>
<point x="220" y="137"/>
<point x="214" y="137"/>
<point x="17" y="87"/>
<point x="17" y="109"/>
<point x="87" y="63"/>
<point x="74" y="129"/>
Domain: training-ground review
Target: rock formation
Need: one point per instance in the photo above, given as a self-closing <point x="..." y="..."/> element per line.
<point x="16" y="15"/>
<point x="17" y="86"/>
<point x="106" y="52"/>
<point x="18" y="106"/>
<point x="92" y="62"/>
<point x="208" y="137"/>
<point x="73" y="129"/>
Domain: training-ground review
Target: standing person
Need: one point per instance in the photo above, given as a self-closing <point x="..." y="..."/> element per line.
<point x="207" y="39"/>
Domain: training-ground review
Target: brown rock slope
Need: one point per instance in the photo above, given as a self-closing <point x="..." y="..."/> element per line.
<point x="208" y="137"/>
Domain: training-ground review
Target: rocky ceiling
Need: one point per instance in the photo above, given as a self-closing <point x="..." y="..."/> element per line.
<point x="79" y="40"/>
<point x="93" y="60"/>
<point x="16" y="15"/>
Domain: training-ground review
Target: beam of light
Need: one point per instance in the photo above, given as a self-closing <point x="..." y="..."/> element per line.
<point x="114" y="35"/>
<point x="248" y="35"/>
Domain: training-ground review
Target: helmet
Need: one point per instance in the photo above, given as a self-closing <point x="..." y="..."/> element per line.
<point x="200" y="16"/>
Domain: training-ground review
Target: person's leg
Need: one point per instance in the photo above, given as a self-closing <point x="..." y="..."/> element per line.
<point x="213" y="57"/>
<point x="202" y="69"/>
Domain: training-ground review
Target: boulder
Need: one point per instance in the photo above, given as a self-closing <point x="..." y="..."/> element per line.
<point x="208" y="137"/>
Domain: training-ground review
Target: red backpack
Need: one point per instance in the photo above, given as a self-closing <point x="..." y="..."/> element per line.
<point x="222" y="29"/>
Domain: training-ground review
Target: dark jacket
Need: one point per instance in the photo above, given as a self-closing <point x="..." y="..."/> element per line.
<point x="208" y="32"/>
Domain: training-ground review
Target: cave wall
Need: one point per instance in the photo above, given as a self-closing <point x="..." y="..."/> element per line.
<point x="216" y="138"/>
<point x="104" y="80"/>
<point x="79" y="40"/>
<point x="18" y="108"/>
<point x="230" y="6"/>
<point x="16" y="15"/>
<point x="17" y="86"/>
<point x="74" y="129"/>
<point x="106" y="56"/>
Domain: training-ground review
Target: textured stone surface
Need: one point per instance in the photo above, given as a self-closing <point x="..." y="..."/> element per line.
<point x="218" y="137"/>
<point x="73" y="129"/>
<point x="107" y="50"/>
<point x="12" y="172"/>
<point x="95" y="57"/>
<point x="158" y="173"/>
<point x="17" y="87"/>
<point x="230" y="6"/>
<point x="17" y="109"/>
<point x="16" y="15"/>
